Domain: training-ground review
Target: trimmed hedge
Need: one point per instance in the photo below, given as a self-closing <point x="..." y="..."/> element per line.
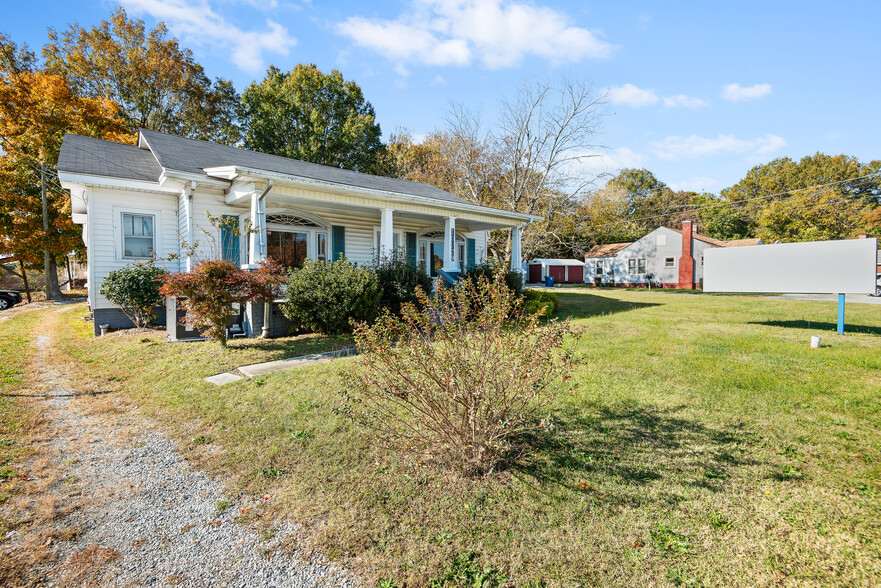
<point x="323" y="297"/>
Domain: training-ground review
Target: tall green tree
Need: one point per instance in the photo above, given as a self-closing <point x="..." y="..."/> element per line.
<point x="311" y="116"/>
<point x="776" y="199"/>
<point x="158" y="84"/>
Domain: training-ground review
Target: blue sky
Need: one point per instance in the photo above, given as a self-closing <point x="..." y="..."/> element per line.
<point x="698" y="92"/>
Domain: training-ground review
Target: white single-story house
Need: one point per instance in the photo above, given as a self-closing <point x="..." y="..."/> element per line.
<point x="673" y="258"/>
<point x="141" y="201"/>
<point x="564" y="271"/>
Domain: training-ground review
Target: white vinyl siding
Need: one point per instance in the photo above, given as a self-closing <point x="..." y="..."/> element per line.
<point x="105" y="232"/>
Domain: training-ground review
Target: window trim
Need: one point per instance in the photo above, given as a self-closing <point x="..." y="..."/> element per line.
<point x="671" y="263"/>
<point x="633" y="266"/>
<point x="119" y="231"/>
<point x="311" y="239"/>
<point x="377" y="237"/>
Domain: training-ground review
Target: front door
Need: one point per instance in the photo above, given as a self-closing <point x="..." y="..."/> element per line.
<point x="288" y="249"/>
<point x="437" y="258"/>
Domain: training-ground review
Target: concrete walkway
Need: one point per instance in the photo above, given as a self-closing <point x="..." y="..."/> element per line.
<point x="259" y="369"/>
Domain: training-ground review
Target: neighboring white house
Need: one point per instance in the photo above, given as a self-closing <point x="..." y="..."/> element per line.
<point x="673" y="258"/>
<point x="136" y="202"/>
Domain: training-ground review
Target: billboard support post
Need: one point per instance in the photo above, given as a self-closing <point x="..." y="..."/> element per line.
<point x="841" y="314"/>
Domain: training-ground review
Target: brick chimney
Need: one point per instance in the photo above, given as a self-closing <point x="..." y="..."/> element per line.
<point x="686" y="262"/>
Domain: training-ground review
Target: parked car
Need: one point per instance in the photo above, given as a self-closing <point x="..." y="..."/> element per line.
<point x="878" y="285"/>
<point x="9" y="298"/>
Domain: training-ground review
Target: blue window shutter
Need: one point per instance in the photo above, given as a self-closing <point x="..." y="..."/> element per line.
<point x="411" y="249"/>
<point x="229" y="241"/>
<point x="339" y="242"/>
<point x="471" y="253"/>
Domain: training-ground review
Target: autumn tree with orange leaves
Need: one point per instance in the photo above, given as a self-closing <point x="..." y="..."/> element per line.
<point x="36" y="110"/>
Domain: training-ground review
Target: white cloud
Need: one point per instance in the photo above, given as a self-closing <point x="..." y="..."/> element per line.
<point x="497" y="33"/>
<point x="197" y="23"/>
<point x="637" y="97"/>
<point x="683" y="101"/>
<point x="676" y="148"/>
<point x="643" y="20"/>
<point x="738" y="93"/>
<point x="401" y="70"/>
<point x="696" y="184"/>
<point x="632" y="96"/>
<point x="438" y="80"/>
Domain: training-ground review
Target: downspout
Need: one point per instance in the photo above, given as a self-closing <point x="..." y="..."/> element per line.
<point x="267" y="305"/>
<point x="188" y="211"/>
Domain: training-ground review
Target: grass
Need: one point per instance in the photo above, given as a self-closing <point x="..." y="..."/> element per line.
<point x="21" y="424"/>
<point x="705" y="443"/>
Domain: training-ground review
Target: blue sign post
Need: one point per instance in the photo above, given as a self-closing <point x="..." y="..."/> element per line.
<point x="841" y="314"/>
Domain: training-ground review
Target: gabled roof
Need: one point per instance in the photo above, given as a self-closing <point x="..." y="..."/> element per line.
<point x="607" y="250"/>
<point x="549" y="261"/>
<point x="614" y="248"/>
<point x="96" y="157"/>
<point x="742" y="242"/>
<point x="194" y="156"/>
<point x="159" y="152"/>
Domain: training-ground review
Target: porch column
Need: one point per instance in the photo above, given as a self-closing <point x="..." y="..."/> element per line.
<point x="257" y="238"/>
<point x="516" y="256"/>
<point x="451" y="252"/>
<point x="386" y="233"/>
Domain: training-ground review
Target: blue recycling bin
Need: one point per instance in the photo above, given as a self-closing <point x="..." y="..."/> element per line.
<point x="549" y="281"/>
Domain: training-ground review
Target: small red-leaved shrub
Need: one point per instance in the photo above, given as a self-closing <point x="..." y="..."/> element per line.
<point x="210" y="289"/>
<point x="458" y="375"/>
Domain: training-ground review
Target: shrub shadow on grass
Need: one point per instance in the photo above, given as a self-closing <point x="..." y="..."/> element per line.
<point x="293" y="346"/>
<point x="820" y="326"/>
<point x="620" y="451"/>
<point x="588" y="305"/>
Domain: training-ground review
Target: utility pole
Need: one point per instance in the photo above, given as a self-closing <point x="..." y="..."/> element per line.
<point x="50" y="269"/>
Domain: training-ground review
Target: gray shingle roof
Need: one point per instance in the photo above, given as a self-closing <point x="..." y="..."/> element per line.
<point x="193" y="156"/>
<point x="85" y="155"/>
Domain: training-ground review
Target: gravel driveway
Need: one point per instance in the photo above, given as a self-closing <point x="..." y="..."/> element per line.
<point x="142" y="517"/>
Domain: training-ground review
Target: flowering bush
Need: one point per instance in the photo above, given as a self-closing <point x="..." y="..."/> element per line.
<point x="210" y="289"/>
<point x="135" y="289"/>
<point x="457" y="384"/>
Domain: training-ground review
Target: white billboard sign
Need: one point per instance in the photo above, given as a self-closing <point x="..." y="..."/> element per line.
<point x="818" y="267"/>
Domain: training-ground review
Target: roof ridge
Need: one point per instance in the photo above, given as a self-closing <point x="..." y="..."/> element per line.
<point x="284" y="158"/>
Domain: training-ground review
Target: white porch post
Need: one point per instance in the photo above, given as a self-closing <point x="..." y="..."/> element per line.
<point x="257" y="238"/>
<point x="386" y="233"/>
<point x="451" y="252"/>
<point x="516" y="256"/>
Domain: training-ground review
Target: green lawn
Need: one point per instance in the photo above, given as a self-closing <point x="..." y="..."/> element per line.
<point x="704" y="443"/>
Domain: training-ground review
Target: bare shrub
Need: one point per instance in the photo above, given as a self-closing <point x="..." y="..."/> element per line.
<point x="455" y="376"/>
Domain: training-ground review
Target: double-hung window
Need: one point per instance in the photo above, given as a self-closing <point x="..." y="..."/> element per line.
<point x="600" y="268"/>
<point x="669" y="262"/>
<point x="138" y="239"/>
<point x="636" y="266"/>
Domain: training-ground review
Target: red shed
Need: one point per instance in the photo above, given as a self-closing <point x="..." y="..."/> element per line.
<point x="564" y="271"/>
